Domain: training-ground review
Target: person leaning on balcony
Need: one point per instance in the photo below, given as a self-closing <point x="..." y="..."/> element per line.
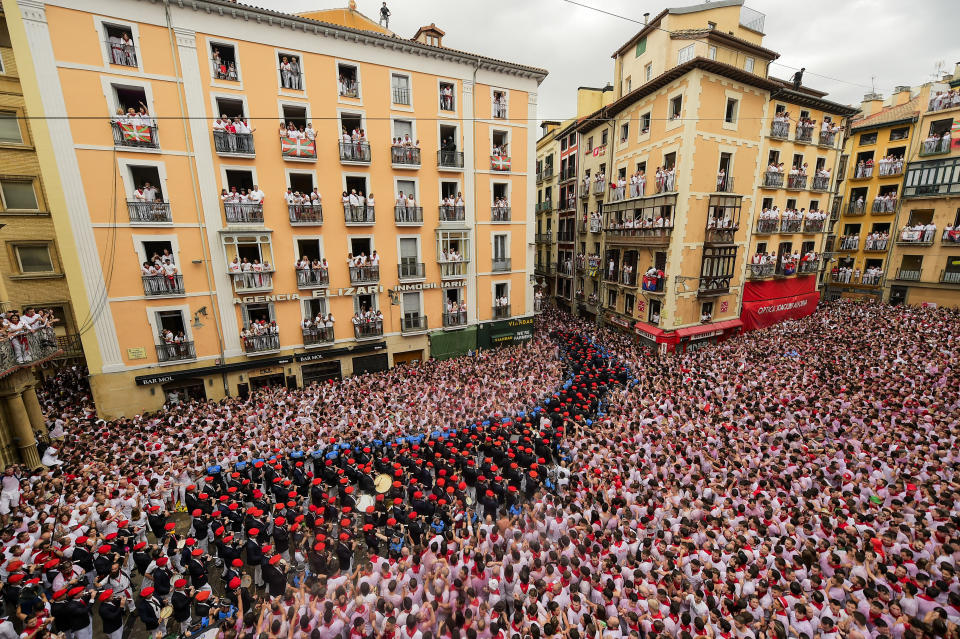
<point x="402" y="206"/>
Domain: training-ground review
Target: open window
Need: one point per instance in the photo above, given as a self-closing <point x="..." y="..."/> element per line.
<point x="499" y="107"/>
<point x="239" y="180"/>
<point x="223" y="58"/>
<point x="365" y="302"/>
<point x="645" y="123"/>
<point x="130" y="99"/>
<point x="309" y="248"/>
<point x="731" y="111"/>
<point x="348" y="80"/>
<point x="676" y="107"/>
<point x="447" y="97"/>
<point x="501" y="142"/>
<point x="173" y="339"/>
<point x="357" y="184"/>
<point x="301" y="182"/>
<point x="120" y="44"/>
<point x="230" y="108"/>
<point x="146" y="179"/>
<point x="291" y="71"/>
<point x="295" y="115"/>
<point x="361" y="246"/>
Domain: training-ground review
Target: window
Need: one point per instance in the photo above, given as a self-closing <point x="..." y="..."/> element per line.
<point x="34" y="258"/>
<point x="628" y="85"/>
<point x="19" y="195"/>
<point x="706" y="311"/>
<point x="400" y="85"/>
<point x="685" y="55"/>
<point x="730" y="115"/>
<point x="761" y="247"/>
<point x="712" y="52"/>
<point x="676" y="107"/>
<point x="348" y="81"/>
<point x="648" y="72"/>
<point x="447" y="98"/>
<point x="499" y="247"/>
<point x="10" y="127"/>
<point x="748" y="65"/>
<point x="611" y="298"/>
<point x="641" y="47"/>
<point x="120" y="44"/>
<point x="645" y="123"/>
<point x="590" y="144"/>
<point x="224" y="60"/>
<point x="900" y="133"/>
<point x="411" y="309"/>
<point x="868" y="138"/>
<point x="291" y="71"/>
<point x="624" y="131"/>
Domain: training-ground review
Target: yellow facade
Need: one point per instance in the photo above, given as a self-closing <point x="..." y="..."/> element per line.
<point x="350" y="76"/>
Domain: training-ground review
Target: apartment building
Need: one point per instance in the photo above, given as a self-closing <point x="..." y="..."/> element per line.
<point x="454" y="258"/>
<point x="702" y="140"/>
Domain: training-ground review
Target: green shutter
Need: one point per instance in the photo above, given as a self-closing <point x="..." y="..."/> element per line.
<point x="641" y="47"/>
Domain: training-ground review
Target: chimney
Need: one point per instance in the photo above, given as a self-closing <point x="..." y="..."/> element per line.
<point x="430" y="34"/>
<point x="872" y="103"/>
<point x="901" y="95"/>
<point x="646" y="19"/>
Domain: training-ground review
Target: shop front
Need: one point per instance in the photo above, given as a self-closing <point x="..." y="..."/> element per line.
<point x="408" y="357"/>
<point x="321" y="372"/>
<point x="769" y="302"/>
<point x="654" y="340"/>
<point x="505" y="333"/>
<point x="185" y="390"/>
<point x="370" y="363"/>
<point x="693" y="338"/>
<point x="617" y="321"/>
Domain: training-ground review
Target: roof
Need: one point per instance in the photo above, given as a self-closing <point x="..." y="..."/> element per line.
<point x="789" y="84"/>
<point x="909" y="111"/>
<point x="694" y="8"/>
<point x="346" y="17"/>
<point x="725" y="38"/>
<point x="430" y="28"/>
<point x="237" y="9"/>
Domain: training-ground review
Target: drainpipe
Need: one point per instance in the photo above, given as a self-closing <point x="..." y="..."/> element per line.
<point x="204" y="247"/>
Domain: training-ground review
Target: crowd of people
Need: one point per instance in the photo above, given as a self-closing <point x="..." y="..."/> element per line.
<point x="937" y="143"/>
<point x="304" y="207"/>
<point x="884" y="202"/>
<point x="795" y="482"/>
<point x="404" y="150"/>
<point x="260" y="335"/>
<point x="919" y="232"/>
<point x="364" y="267"/>
<point x="241" y="203"/>
<point x="354" y="145"/>
<point x="250" y="273"/>
<point x="876" y="241"/>
<point x="292" y="131"/>
<point x="944" y="100"/>
<point x="159" y="274"/>
<point x="890" y="165"/>
<point x="233" y="135"/>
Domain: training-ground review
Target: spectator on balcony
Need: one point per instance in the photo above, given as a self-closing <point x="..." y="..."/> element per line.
<point x="286" y="74"/>
<point x="932" y="142"/>
<point x="705" y="317"/>
<point x="721" y="180"/>
<point x="929" y="231"/>
<point x="781" y="124"/>
<point x="638" y="183"/>
<point x="627" y="274"/>
<point x="146" y="193"/>
<point x="401" y="207"/>
<point x="805" y="128"/>
<point x="446" y="98"/>
<point x="858" y="205"/>
<point x="355" y="203"/>
<point x="945" y="100"/>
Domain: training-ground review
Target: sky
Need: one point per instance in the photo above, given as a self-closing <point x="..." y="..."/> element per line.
<point x="847" y="46"/>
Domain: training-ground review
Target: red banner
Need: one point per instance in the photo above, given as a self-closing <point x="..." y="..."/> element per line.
<point x="773" y="289"/>
<point x="768" y="312"/>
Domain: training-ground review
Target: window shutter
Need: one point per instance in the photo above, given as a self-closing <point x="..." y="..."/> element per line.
<point x="641" y="47"/>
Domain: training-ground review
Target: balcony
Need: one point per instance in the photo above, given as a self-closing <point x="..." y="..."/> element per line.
<point x="413" y="323"/>
<point x="856" y="208"/>
<point x="500" y="163"/>
<point x="864" y="172"/>
<point x="780" y="130"/>
<point x="565" y="237"/>
<point x="544" y="238"/>
<point x="401" y="95"/>
<point x="599" y="188"/>
<point x="544" y="206"/>
<point x="317" y="336"/>
<point x="349" y="88"/>
<point x="876" y="245"/>
<point x="935" y="147"/>
<point x="569" y="205"/>
<point x="916" y="237"/>
<point x="849" y="243"/>
<point x="796" y="182"/>
<point x="408" y="215"/>
<point x="354" y="152"/>
<point x="808" y="267"/>
<point x="257" y="344"/>
<point x="804" y="133"/>
<point x="713" y="285"/>
<point x="790" y="226"/>
<point x="827" y="138"/>
<point x="501" y="311"/>
<point x="452" y="213"/>
<point x="405" y="157"/>
<point x="162" y="285"/>
<point x="652" y="283"/>
<point x="820" y="183"/>
<point x="368" y="329"/>
<point x="568" y="174"/>
<point x="233" y="144"/>
<point x="654" y="236"/>
<point x="501" y="264"/>
<point x="541" y="268"/>
<point x="411" y="271"/>
<point x="893" y="168"/>
<point x="722" y="233"/>
<point x="305" y="214"/>
<point x="70" y="345"/>
<point x="313" y="278"/>
<point x="950" y="277"/>
<point x="499" y="213"/>
<point x="813" y="226"/>
<point x="760" y="271"/>
<point x="773" y="180"/>
<point x="545" y="174"/>
<point x="951" y="236"/>
<point x="176" y="352"/>
<point x="298" y="149"/>
<point x="359" y="215"/>
<point x="134" y="136"/>
<point x="243" y="212"/>
<point x="27" y="349"/>
<point x="628" y="279"/>
<point x="450" y="159"/>
<point x="538" y="305"/>
<point x="251" y="282"/>
<point x="885" y="205"/>
<point x="149" y="212"/>
<point x="869" y="280"/>
<point x="452" y="270"/>
<point x="360" y="275"/>
<point x="668" y="184"/>
<point x="767" y="226"/>
<point x="724" y="184"/>
<point x="454" y="319"/>
<point x="564" y="268"/>
<point x="909" y="275"/>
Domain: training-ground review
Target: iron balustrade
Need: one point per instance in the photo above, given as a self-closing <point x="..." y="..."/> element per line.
<point x="157" y="285"/>
<point x="364" y="275"/>
<point x="313" y="277"/>
<point x="149" y="212"/>
<point x="233" y="143"/>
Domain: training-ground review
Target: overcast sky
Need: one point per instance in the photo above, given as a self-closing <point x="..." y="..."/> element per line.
<point x="896" y="42"/>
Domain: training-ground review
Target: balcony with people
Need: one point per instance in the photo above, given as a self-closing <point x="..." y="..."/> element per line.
<point x="177" y="349"/>
<point x="162" y="284"/>
<point x="251" y="275"/>
<point x="951" y="235"/>
<point x="917" y="233"/>
<point x="260" y="337"/>
<point x="455" y="314"/>
<point x="877" y="241"/>
<point x="797" y="178"/>
<point x="723" y="219"/>
<point x="353" y="145"/>
<point x="780" y="126"/>
<point x="666" y="179"/>
<point x="725" y="183"/>
<point x="863" y="170"/>
<point x="406" y="212"/>
<point x="499" y="105"/>
<point x="453" y="209"/>
<point x="761" y="266"/>
<point x="804" y="130"/>
<point x="821" y="180"/>
<point x="243" y="206"/>
<point x="304" y="209"/>
<point x="943" y="100"/>
<point x="847" y="273"/>
<point x="599" y="184"/>
<point x="148" y="206"/>
<point x="233" y="135"/>
<point x="829" y="135"/>
<point x="886" y="201"/>
<point x="348" y="81"/>
<point x="364" y="270"/>
<point x="405" y="153"/>
<point x="453" y="261"/>
<point x="448" y="157"/>
<point x="890" y="165"/>
<point x="500" y="210"/>
<point x="312" y="273"/>
<point x="653" y="280"/>
<point x="501" y="308"/>
<point x="318" y="331"/>
<point x="367" y="324"/>
<point x="133" y="126"/>
<point x="644" y="222"/>
<point x="791" y="221"/>
<point x="936" y="144"/>
<point x="857" y="205"/>
<point x="298" y="139"/>
<point x="27" y="338"/>
<point x="773" y="177"/>
<point x="358" y="209"/>
<point x="500" y="152"/>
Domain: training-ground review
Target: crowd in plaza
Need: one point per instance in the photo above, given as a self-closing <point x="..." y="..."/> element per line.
<point x="798" y="481"/>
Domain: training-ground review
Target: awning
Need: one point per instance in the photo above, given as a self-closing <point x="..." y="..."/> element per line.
<point x="715" y="328"/>
<point x="652" y="331"/>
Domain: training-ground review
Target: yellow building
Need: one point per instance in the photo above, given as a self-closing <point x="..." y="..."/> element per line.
<point x="699" y="118"/>
<point x="924" y="262"/>
<point x="863" y="218"/>
<point x="548" y="178"/>
<point x="327" y="72"/>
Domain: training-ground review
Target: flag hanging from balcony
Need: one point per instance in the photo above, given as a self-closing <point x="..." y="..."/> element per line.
<point x="135" y="132"/>
<point x="500" y="162"/>
<point x="955" y="133"/>
<point x="299" y="148"/>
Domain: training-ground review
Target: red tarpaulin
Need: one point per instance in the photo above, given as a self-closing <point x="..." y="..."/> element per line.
<point x="768" y="302"/>
<point x="716" y="327"/>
